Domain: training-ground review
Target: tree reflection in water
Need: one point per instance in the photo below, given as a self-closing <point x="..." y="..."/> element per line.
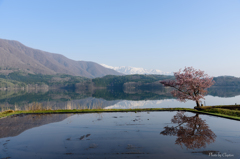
<point x="193" y="132"/>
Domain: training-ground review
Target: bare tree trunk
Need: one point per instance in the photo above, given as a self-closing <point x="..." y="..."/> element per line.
<point x="197" y="102"/>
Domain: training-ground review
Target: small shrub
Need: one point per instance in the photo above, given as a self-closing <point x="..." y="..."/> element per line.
<point x="8" y="111"/>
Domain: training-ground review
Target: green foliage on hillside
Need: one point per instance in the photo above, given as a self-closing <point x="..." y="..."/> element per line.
<point x="118" y="81"/>
<point x="226" y="81"/>
<point x="4" y="83"/>
<point x="23" y="78"/>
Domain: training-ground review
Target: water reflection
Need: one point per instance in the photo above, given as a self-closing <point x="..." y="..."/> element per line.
<point x="109" y="98"/>
<point x="192" y="132"/>
<point x="15" y="125"/>
<point x="117" y="135"/>
<point x="228" y="91"/>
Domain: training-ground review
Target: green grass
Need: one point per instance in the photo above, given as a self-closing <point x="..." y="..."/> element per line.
<point x="11" y="112"/>
<point x="234" y="114"/>
<point x="226" y="113"/>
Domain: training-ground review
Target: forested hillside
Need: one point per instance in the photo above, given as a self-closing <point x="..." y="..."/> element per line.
<point x="118" y="81"/>
<point x="226" y="81"/>
<point x="21" y="79"/>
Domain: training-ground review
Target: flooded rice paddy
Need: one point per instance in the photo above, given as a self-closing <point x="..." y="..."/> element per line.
<point x="119" y="135"/>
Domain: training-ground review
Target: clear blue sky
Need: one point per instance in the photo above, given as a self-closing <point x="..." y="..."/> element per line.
<point x="160" y="34"/>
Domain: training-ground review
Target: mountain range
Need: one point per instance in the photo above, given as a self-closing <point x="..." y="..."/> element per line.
<point x="15" y="56"/>
<point x="136" y="70"/>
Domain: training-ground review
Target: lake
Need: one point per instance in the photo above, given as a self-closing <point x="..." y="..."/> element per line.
<point x="119" y="135"/>
<point x="116" y="135"/>
<point x="110" y="99"/>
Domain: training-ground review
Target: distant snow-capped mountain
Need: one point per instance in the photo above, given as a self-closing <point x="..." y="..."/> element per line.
<point x="136" y="70"/>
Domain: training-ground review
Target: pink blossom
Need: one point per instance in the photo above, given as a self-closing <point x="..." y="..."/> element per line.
<point x="189" y="84"/>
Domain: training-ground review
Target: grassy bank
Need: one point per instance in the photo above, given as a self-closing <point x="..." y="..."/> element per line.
<point x="231" y="114"/>
<point x="228" y="111"/>
<point x="220" y="112"/>
<point x="11" y="112"/>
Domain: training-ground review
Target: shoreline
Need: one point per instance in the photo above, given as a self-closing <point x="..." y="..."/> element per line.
<point x="210" y="111"/>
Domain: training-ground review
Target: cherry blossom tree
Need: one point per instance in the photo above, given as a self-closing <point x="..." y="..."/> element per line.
<point x="189" y="84"/>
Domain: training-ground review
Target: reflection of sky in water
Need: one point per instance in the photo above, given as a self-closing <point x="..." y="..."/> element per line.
<point x="117" y="135"/>
<point x="173" y="103"/>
